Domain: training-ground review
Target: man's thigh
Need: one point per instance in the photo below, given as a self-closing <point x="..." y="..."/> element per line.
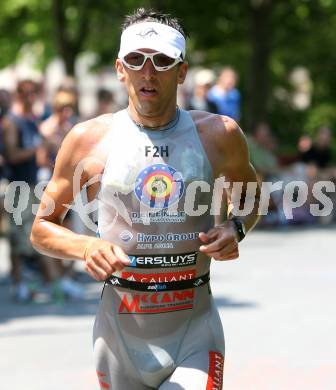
<point x="113" y="373"/>
<point x="201" y="371"/>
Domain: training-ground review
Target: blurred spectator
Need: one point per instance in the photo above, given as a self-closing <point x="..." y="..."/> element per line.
<point x="105" y="102"/>
<point x="262" y="146"/>
<point x="69" y="85"/>
<point x="225" y="94"/>
<point x="42" y="107"/>
<point x="54" y="129"/>
<point x="263" y="155"/>
<point x="317" y="158"/>
<point x="318" y="152"/>
<point x="203" y="81"/>
<point x="5" y="103"/>
<point x="21" y="141"/>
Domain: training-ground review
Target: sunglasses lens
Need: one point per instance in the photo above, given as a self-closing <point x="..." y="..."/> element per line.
<point x="162" y="60"/>
<point x="134" y="59"/>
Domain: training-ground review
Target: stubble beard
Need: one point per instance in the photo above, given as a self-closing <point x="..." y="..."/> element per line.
<point x="147" y="109"/>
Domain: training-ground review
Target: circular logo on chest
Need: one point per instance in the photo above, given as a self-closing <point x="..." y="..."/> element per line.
<point x="159" y="186"/>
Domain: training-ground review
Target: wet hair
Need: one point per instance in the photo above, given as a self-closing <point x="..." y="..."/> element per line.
<point x="150" y="15"/>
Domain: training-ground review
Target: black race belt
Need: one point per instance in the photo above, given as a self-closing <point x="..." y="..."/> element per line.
<point x="159" y="286"/>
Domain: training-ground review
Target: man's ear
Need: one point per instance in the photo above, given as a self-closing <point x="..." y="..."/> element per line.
<point x="119" y="67"/>
<point x="182" y="72"/>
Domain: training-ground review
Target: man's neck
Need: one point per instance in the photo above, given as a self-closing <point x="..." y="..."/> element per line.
<point x="152" y="121"/>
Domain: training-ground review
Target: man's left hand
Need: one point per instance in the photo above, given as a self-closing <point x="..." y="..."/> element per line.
<point x="220" y="242"/>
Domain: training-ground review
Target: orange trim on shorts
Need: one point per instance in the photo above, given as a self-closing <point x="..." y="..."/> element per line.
<point x="215" y="372"/>
<point x="103" y="385"/>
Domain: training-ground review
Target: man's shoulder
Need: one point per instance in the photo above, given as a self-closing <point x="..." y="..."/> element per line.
<point x="87" y="139"/>
<point x="91" y="130"/>
<point x="215" y="123"/>
<point x="222" y="136"/>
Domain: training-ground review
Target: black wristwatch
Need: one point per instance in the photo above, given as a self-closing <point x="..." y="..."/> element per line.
<point x="240" y="228"/>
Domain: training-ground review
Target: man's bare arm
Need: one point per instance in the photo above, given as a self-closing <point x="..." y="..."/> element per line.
<point x="48" y="235"/>
<point x="238" y="169"/>
<point x="230" y="158"/>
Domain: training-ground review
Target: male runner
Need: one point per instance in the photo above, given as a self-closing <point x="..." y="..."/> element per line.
<point x="152" y="168"/>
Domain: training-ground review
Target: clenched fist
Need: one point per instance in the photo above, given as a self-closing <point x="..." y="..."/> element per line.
<point x="220" y="242"/>
<point x="102" y="258"/>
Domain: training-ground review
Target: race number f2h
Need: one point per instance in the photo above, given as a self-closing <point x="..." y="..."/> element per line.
<point x="156" y="151"/>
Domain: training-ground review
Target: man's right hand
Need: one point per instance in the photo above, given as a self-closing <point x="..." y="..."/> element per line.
<point x="102" y="258"/>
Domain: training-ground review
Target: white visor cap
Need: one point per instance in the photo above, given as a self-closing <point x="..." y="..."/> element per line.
<point x="154" y="36"/>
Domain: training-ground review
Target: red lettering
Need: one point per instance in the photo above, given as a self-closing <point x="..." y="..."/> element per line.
<point x="131" y="307"/>
<point x="166" y="298"/>
<point x="144" y="298"/>
<point x="215" y="372"/>
<point x="154" y="298"/>
<point x="170" y="300"/>
<point x="160" y="277"/>
<point x="183" y="295"/>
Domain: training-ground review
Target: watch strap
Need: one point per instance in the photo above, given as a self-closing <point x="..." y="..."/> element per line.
<point x="240" y="228"/>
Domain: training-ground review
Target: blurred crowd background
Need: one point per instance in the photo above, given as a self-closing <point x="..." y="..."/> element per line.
<point x="267" y="64"/>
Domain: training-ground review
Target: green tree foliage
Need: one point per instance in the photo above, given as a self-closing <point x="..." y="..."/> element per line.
<point x="265" y="40"/>
<point x="25" y="22"/>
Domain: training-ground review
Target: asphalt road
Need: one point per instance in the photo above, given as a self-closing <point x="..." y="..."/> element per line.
<point x="277" y="304"/>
